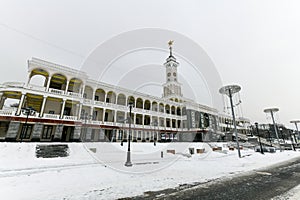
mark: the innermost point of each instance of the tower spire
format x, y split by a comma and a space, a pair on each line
170, 43
172, 88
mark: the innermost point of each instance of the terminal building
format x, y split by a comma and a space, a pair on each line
71, 107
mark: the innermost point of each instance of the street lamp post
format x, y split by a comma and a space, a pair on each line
271, 111
229, 90
261, 149
128, 161
154, 132
26, 111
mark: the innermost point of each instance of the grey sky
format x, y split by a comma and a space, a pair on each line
252, 43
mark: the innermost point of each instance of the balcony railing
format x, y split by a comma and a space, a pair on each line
96, 122
14, 84
36, 87
74, 94
51, 116
8, 112
109, 123
71, 118
56, 91
87, 101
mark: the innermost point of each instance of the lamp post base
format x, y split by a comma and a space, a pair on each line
128, 162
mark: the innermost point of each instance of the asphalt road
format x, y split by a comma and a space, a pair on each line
262, 184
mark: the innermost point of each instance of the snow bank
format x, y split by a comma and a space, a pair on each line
102, 175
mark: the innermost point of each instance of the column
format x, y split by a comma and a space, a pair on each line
67, 86
43, 106
103, 115
82, 89
115, 116
143, 118
79, 110
2, 101
105, 96
94, 93
20, 104
62, 108
92, 112
134, 118
48, 83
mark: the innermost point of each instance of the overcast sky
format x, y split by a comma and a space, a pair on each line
252, 43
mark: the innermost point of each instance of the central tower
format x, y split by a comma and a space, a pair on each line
172, 88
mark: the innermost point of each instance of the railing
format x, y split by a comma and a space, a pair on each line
109, 123
99, 103
120, 124
74, 94
36, 87
14, 84
87, 101
139, 126
96, 122
72, 118
36, 114
56, 91
8, 112
51, 116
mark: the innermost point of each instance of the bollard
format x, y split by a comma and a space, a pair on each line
161, 154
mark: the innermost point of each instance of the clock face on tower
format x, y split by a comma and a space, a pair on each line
174, 74
169, 74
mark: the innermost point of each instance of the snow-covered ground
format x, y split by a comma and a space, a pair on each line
101, 174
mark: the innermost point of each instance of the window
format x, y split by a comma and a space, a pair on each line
96, 98
26, 131
47, 132
120, 135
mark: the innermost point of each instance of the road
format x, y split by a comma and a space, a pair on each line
262, 184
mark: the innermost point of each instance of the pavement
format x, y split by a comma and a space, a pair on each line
264, 184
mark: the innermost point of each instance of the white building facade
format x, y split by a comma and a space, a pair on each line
69, 106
